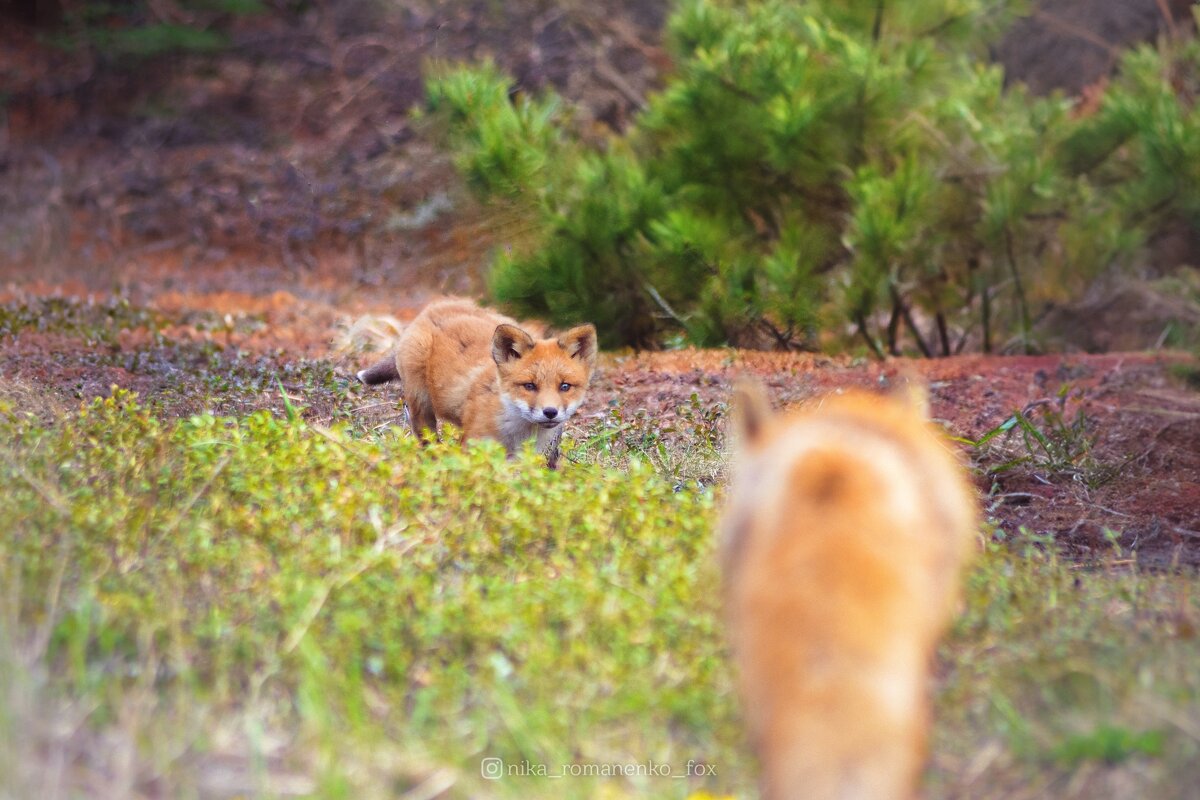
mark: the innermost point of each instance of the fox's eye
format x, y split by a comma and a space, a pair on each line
532, 387
564, 387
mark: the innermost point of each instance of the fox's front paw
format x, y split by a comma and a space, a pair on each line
549, 446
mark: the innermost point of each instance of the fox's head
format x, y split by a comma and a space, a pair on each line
544, 381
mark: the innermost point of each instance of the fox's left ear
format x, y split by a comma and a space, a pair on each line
751, 411
580, 343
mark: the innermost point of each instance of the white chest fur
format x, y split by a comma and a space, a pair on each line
515, 427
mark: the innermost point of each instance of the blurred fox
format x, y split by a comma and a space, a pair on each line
480, 370
845, 534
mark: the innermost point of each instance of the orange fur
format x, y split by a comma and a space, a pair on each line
846, 531
479, 370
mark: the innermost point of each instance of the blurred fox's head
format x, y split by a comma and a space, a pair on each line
543, 381
756, 425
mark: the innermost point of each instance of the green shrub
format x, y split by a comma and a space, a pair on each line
1143, 146
814, 169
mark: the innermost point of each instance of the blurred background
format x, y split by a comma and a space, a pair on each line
921, 178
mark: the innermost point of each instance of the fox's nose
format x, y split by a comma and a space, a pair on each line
550, 412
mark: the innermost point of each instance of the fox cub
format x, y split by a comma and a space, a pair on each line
847, 527
480, 370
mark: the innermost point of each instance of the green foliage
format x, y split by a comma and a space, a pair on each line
686, 447
513, 147
1066, 666
592, 271
1144, 143
594, 206
1110, 744
1189, 373
815, 166
135, 31
94, 322
157, 40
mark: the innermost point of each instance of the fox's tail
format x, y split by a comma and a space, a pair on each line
381, 371
366, 333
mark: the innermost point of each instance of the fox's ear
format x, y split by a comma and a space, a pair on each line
751, 410
580, 342
911, 390
510, 343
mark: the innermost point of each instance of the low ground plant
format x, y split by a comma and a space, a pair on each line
686, 447
1053, 437
265, 607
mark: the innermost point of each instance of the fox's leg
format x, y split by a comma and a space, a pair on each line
420, 416
547, 445
468, 431
412, 359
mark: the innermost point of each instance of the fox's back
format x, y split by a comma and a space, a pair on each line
444, 349
457, 331
844, 536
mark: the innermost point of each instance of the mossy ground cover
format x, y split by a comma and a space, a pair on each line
356, 591
283, 601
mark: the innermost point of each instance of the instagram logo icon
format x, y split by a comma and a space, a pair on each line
491, 768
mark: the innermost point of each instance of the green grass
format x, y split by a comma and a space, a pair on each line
262, 607
1072, 682
1188, 373
354, 593
179, 376
685, 447
1053, 437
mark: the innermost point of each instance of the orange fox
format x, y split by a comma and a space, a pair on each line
481, 371
845, 533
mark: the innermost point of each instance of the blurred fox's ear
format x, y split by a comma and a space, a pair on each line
912, 390
751, 410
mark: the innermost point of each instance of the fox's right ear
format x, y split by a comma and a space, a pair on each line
751, 410
510, 343
580, 343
